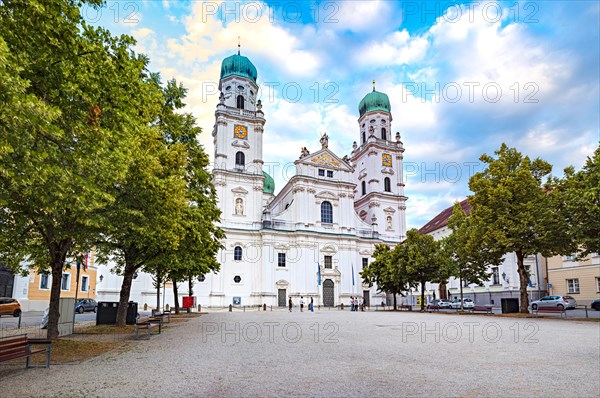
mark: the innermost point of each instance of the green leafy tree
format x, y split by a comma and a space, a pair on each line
70, 120
579, 195
163, 218
466, 257
421, 258
512, 212
386, 271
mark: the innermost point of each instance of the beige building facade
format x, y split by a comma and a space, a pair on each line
580, 279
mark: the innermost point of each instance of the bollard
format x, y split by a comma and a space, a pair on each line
342, 306
199, 308
265, 307
19, 327
230, 307
244, 308
586, 314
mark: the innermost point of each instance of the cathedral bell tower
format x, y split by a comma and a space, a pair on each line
380, 200
238, 140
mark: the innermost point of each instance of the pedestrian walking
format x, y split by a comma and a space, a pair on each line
290, 304
312, 305
356, 303
351, 303
301, 304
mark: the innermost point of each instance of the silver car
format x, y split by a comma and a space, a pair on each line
554, 301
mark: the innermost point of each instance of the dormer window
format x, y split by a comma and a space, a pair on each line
240, 88
329, 173
321, 173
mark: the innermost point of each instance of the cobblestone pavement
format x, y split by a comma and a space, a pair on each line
335, 354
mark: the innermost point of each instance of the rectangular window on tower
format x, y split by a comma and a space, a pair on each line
281, 259
328, 262
329, 173
365, 262
321, 173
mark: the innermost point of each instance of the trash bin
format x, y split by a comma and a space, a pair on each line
509, 305
107, 313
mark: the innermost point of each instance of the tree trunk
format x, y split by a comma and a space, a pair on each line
422, 296
461, 293
58, 254
124, 296
54, 305
523, 282
395, 302
175, 295
190, 286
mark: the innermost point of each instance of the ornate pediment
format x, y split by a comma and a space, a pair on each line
282, 284
326, 158
326, 195
241, 144
328, 249
239, 191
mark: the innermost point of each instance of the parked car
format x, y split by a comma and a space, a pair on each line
554, 301
9, 306
444, 303
84, 305
596, 304
467, 303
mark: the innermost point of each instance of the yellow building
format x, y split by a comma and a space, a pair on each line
33, 291
580, 279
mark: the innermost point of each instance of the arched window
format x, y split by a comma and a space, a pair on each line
237, 253
383, 134
240, 102
363, 185
240, 159
364, 137
326, 213
387, 187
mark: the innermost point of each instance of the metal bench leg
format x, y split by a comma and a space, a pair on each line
48, 357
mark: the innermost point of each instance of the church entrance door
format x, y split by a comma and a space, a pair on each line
328, 293
281, 297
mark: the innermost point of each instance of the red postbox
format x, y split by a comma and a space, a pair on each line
189, 302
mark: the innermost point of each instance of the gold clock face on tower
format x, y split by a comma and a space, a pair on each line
386, 160
240, 131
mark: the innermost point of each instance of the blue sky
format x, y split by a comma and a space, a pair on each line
462, 77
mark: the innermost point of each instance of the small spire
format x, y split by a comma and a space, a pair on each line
373, 84
239, 45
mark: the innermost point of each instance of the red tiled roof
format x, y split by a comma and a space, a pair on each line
441, 220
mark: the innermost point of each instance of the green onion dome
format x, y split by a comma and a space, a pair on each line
238, 65
374, 101
269, 184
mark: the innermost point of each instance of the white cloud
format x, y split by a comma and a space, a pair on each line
398, 48
208, 36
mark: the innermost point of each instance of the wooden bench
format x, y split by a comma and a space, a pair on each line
162, 315
405, 307
20, 346
562, 311
482, 308
433, 307
147, 323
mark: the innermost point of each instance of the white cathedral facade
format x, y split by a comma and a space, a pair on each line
313, 238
